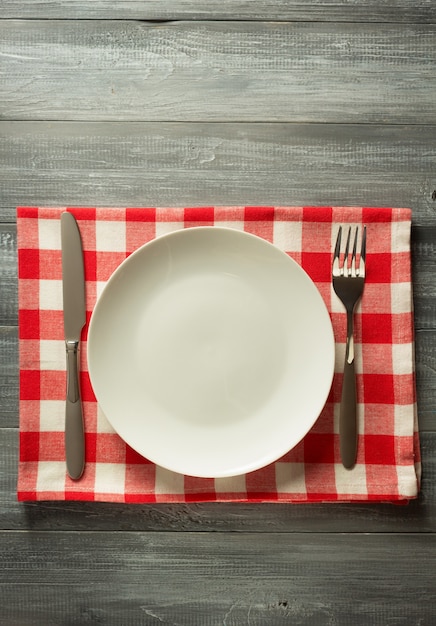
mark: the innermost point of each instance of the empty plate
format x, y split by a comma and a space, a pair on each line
211, 352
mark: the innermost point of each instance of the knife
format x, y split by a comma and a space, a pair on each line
73, 286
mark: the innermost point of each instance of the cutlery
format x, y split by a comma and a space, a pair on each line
73, 285
348, 281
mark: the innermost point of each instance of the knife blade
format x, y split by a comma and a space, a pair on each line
73, 288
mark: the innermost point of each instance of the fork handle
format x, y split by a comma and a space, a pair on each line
348, 414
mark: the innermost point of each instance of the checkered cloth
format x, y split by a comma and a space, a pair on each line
388, 464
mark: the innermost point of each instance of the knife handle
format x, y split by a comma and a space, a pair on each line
74, 431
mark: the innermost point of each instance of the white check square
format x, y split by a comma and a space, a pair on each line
350, 483
49, 233
400, 237
51, 476
401, 298
110, 236
110, 478
232, 484
290, 478
402, 358
168, 482
52, 416
288, 235
403, 425
163, 228
50, 295
407, 480
52, 354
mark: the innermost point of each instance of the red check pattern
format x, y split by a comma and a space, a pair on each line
388, 465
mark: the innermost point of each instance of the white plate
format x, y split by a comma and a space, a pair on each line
211, 352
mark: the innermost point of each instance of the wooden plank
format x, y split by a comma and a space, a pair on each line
407, 11
8, 376
8, 274
217, 578
176, 164
418, 516
426, 379
218, 71
424, 274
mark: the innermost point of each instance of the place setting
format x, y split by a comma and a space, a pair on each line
234, 354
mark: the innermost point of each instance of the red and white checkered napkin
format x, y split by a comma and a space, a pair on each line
388, 465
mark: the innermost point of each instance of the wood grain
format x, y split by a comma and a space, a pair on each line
8, 274
217, 71
397, 11
8, 376
217, 578
194, 164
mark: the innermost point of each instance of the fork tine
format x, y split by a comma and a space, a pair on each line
363, 254
337, 253
355, 241
347, 266
353, 255
363, 250
338, 244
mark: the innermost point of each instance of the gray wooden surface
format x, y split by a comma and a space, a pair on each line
189, 102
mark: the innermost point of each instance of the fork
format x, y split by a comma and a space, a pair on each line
348, 281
